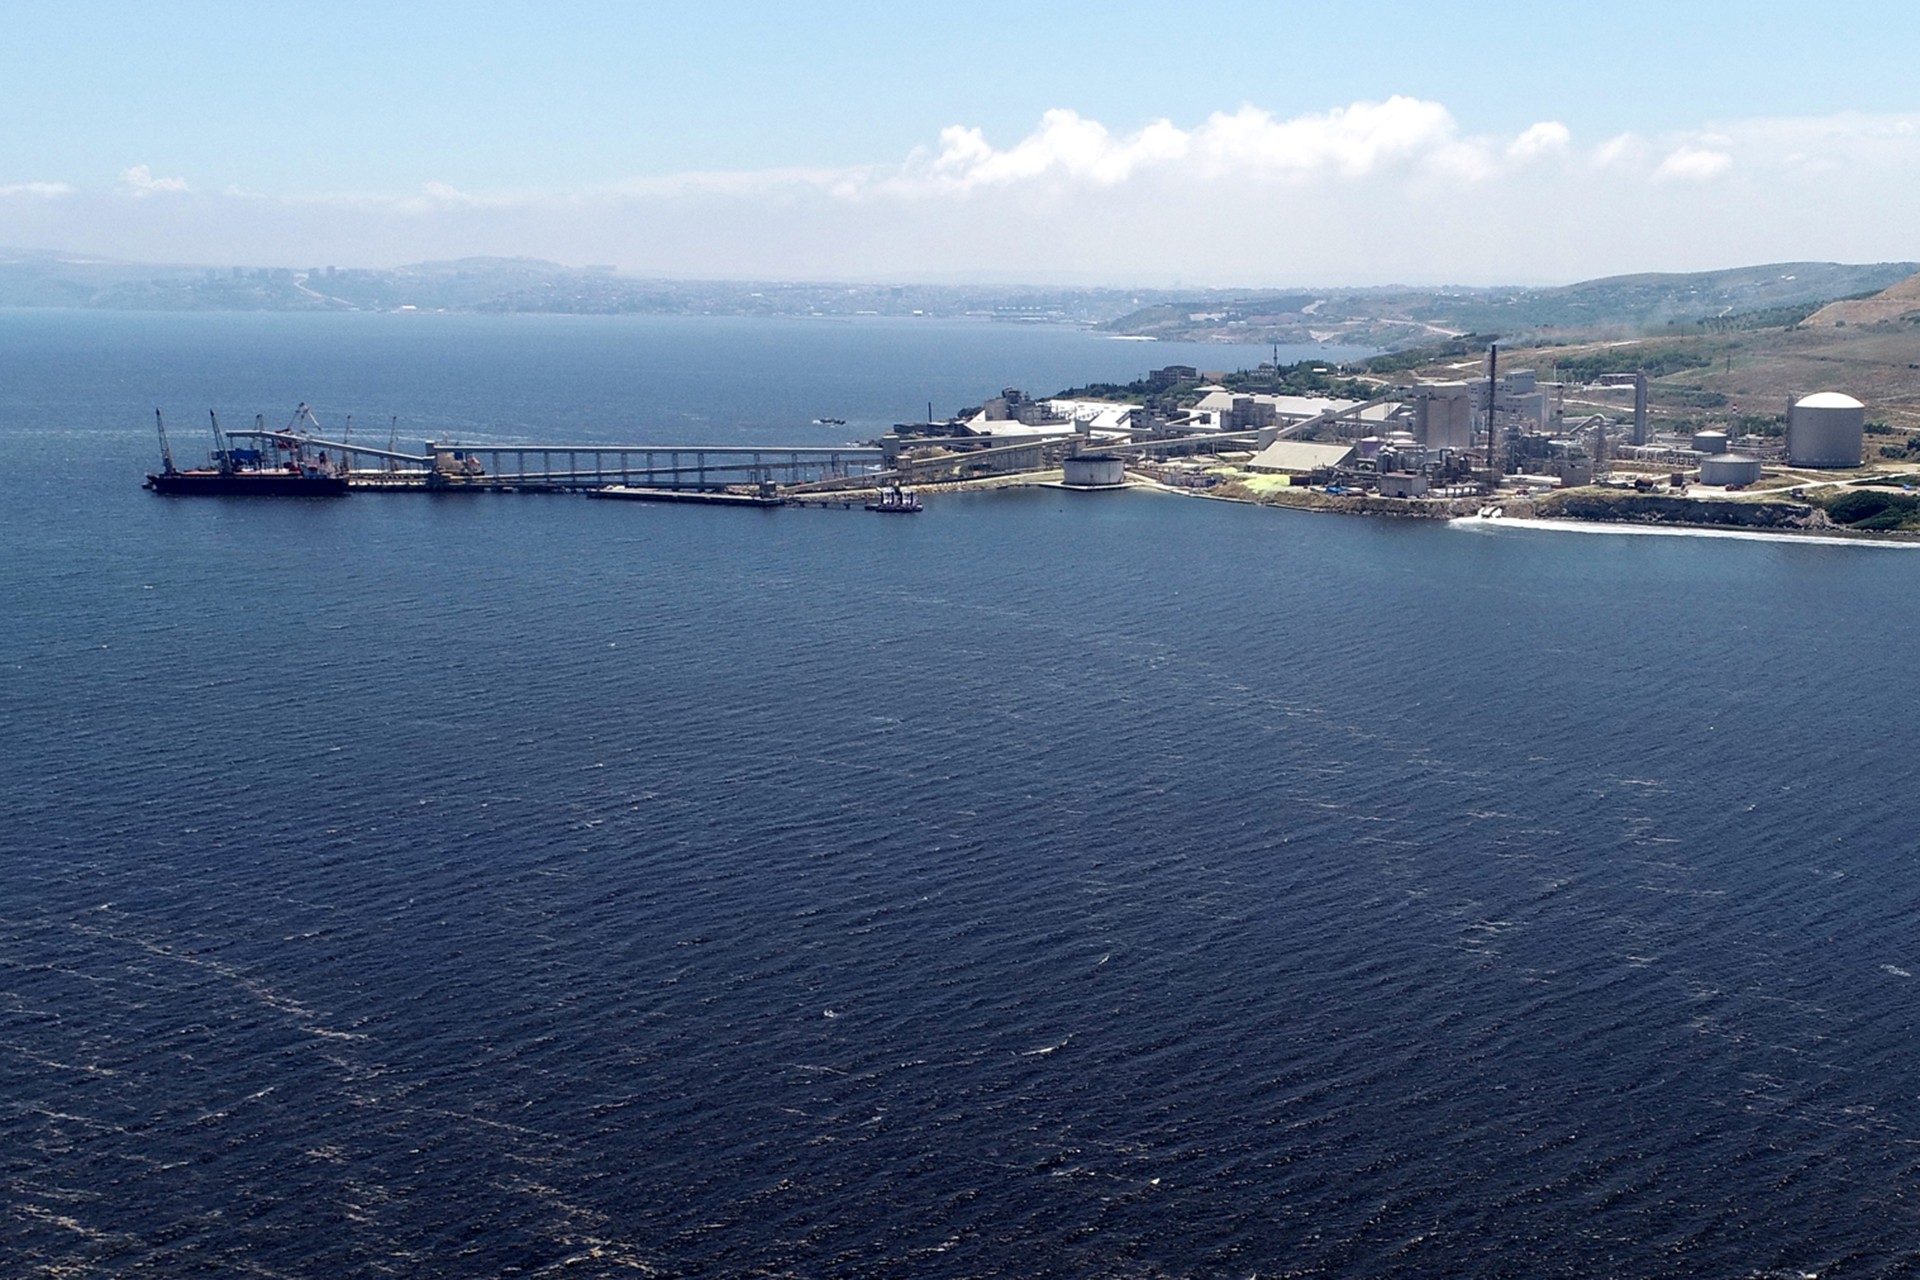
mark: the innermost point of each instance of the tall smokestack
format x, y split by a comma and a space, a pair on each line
1493, 368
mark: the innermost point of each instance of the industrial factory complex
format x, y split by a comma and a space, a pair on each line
1438, 446
1504, 443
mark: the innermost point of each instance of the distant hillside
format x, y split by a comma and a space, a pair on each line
1890, 305
1650, 300
40, 279
1775, 295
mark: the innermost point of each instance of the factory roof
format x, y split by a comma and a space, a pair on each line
1297, 457
1220, 400
1099, 415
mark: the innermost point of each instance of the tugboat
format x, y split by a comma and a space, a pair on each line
249, 472
896, 501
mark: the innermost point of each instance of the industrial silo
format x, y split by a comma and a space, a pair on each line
1826, 429
1709, 442
1729, 468
1443, 416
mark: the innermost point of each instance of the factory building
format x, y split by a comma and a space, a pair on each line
1826, 429
1014, 405
1246, 413
1518, 397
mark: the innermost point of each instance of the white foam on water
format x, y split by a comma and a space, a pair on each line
1479, 524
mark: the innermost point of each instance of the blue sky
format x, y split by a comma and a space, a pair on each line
1243, 143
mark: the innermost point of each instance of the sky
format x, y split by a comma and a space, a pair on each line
1241, 144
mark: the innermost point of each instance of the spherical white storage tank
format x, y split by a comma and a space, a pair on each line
1826, 429
1729, 468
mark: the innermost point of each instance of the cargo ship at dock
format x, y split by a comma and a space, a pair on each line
278, 469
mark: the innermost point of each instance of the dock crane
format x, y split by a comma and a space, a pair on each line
166, 450
220, 455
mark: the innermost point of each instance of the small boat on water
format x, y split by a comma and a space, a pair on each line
896, 501
283, 469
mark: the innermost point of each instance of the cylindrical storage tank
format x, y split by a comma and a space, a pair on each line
1095, 470
1826, 429
1729, 468
1710, 442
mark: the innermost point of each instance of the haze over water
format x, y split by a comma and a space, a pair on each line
1048, 885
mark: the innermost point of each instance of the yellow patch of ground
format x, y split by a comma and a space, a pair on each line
1257, 482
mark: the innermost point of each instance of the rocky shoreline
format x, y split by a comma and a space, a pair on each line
1580, 506
1574, 506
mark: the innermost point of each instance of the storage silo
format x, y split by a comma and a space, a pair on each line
1443, 416
1729, 468
1826, 429
1710, 442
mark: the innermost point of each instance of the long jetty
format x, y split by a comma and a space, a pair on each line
583, 467
741, 474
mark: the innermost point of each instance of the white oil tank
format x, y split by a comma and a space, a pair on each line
1826, 429
1729, 468
1095, 471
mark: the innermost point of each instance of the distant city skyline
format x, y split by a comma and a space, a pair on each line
1236, 144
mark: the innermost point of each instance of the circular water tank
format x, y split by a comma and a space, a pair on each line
1710, 442
1729, 468
1826, 429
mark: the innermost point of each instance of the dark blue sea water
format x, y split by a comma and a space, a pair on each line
1049, 885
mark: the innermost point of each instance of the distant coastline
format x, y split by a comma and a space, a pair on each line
1376, 318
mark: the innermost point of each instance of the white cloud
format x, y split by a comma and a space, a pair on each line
441, 193
1549, 137
1693, 164
1618, 150
1349, 142
1066, 145
140, 180
38, 190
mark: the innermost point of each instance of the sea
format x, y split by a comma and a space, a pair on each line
1049, 885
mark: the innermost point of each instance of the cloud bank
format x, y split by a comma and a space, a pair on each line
1370, 192
140, 182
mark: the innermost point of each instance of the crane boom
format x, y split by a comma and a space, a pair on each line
166, 450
